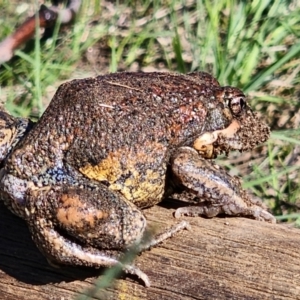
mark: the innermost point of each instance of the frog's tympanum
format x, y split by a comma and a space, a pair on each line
106, 147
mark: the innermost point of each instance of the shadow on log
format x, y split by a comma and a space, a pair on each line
220, 258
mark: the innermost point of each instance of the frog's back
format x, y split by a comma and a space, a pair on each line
110, 112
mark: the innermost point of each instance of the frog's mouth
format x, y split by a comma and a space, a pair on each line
244, 133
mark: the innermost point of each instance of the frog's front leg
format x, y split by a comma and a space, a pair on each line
218, 192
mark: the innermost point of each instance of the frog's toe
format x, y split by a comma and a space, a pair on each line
130, 269
263, 215
198, 210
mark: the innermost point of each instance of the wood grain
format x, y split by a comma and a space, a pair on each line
220, 258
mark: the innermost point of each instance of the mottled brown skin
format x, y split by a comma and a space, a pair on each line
108, 146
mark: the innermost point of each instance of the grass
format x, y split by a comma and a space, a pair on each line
253, 45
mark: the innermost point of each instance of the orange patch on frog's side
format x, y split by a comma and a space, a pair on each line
122, 170
204, 142
75, 213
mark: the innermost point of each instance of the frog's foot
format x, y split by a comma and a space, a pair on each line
218, 192
211, 211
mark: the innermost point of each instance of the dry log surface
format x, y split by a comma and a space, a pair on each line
220, 258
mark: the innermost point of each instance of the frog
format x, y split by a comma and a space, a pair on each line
109, 146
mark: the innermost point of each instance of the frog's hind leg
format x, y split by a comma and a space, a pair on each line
84, 226
213, 187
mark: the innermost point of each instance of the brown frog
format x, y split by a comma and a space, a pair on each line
108, 146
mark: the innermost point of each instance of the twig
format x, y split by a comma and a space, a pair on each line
47, 19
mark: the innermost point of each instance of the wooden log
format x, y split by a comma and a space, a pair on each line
220, 258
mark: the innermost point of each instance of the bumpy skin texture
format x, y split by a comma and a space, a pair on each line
108, 146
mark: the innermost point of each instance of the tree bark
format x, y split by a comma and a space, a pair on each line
220, 258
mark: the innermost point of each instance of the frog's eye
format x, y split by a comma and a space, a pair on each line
236, 104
